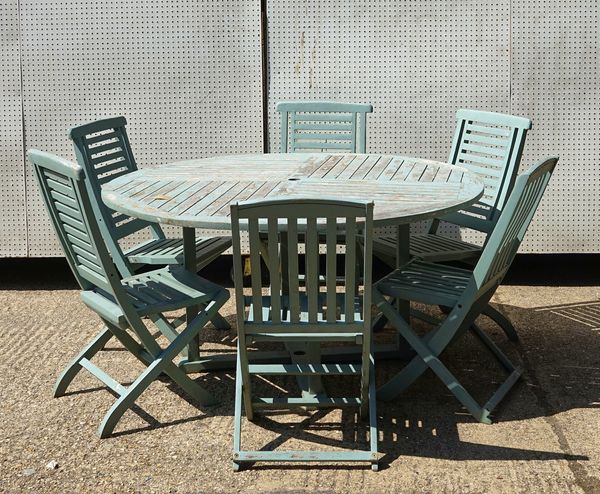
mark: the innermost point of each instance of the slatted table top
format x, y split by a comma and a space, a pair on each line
197, 193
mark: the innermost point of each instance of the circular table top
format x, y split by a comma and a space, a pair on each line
197, 193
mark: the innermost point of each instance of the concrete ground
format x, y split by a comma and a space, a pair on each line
545, 436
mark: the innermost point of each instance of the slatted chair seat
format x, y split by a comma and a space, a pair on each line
121, 303
466, 293
426, 282
163, 251
157, 291
430, 246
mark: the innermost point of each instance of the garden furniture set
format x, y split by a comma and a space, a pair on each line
310, 214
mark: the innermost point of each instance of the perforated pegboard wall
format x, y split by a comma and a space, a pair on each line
556, 81
186, 74
13, 230
416, 62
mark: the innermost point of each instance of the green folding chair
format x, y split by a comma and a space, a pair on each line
303, 316
102, 149
489, 145
466, 292
121, 304
323, 126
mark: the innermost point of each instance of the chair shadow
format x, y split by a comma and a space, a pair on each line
424, 421
408, 434
400, 434
557, 350
558, 376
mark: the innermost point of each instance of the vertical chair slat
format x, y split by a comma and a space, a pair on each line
255, 271
274, 267
353, 132
362, 134
331, 268
312, 269
293, 272
350, 269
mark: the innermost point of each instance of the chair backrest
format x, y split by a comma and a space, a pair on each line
489, 145
518, 212
321, 126
102, 149
62, 186
276, 228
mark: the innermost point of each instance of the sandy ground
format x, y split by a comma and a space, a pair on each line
545, 436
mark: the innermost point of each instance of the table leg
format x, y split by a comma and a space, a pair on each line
189, 263
402, 257
301, 353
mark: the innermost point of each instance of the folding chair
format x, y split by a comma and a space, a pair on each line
466, 292
320, 126
489, 145
102, 149
303, 317
120, 303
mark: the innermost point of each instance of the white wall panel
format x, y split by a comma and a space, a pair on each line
13, 229
186, 74
556, 82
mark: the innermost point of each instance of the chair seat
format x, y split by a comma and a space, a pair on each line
170, 251
154, 292
426, 282
429, 247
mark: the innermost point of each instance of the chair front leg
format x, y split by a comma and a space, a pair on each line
428, 350
67, 376
502, 321
127, 399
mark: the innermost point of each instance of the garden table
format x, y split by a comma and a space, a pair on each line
197, 194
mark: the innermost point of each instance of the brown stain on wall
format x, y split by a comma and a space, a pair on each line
298, 65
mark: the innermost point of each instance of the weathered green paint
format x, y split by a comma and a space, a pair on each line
403, 189
489, 145
120, 303
103, 150
323, 126
466, 292
301, 315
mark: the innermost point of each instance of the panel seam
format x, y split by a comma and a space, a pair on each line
24, 151
510, 58
264, 56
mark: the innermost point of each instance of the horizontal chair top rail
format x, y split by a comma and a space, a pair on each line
289, 208
323, 106
56, 163
495, 118
97, 126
